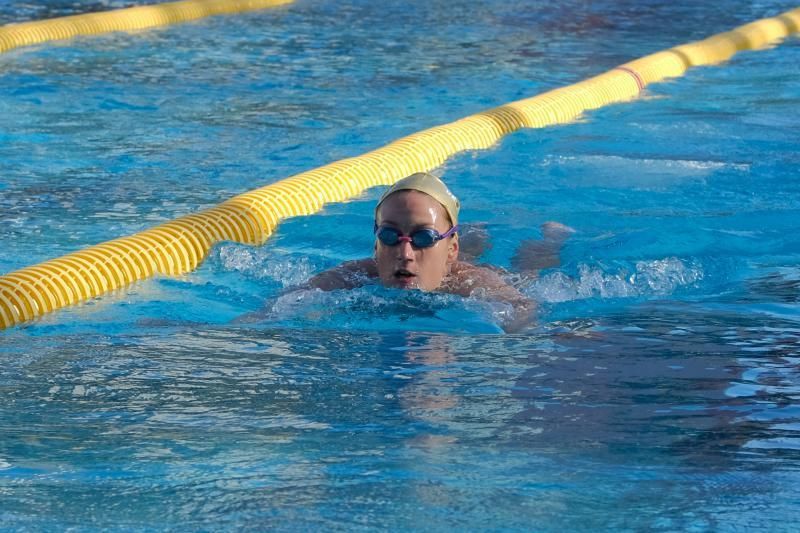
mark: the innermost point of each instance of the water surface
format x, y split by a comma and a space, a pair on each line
658, 389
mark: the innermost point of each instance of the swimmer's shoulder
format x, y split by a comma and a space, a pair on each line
465, 278
487, 282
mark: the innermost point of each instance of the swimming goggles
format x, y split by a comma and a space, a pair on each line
421, 238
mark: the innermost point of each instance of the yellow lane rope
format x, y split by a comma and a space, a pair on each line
179, 246
128, 19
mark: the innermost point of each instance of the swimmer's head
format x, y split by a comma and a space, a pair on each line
419, 242
430, 185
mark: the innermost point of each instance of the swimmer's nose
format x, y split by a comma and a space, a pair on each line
405, 251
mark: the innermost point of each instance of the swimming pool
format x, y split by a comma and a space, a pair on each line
658, 392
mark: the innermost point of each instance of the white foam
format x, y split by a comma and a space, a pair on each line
679, 165
262, 264
614, 171
374, 306
649, 278
373, 299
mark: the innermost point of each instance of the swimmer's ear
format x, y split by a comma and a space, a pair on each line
452, 249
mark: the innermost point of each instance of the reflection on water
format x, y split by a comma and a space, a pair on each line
658, 392
323, 428
780, 286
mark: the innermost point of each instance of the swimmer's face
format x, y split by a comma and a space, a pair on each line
404, 266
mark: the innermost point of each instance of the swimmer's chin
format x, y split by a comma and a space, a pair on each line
404, 284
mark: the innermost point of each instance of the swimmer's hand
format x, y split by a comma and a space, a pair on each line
473, 241
533, 255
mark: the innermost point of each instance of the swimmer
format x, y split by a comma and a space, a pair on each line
417, 247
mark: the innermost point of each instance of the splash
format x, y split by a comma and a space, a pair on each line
377, 308
375, 300
264, 264
648, 278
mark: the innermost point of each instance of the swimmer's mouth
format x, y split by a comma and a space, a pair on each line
404, 274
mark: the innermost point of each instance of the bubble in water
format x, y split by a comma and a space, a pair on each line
372, 299
663, 276
375, 307
265, 264
649, 278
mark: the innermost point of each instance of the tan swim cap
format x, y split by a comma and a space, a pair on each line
430, 185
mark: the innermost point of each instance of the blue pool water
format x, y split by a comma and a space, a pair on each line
659, 390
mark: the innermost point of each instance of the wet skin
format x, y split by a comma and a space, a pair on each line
403, 265
428, 269
437, 268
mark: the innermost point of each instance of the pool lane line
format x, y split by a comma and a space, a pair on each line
639, 81
179, 246
126, 19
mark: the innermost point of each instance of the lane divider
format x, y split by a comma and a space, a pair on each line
127, 19
178, 246
639, 81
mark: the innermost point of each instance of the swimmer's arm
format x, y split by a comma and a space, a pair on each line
348, 275
522, 307
485, 283
533, 255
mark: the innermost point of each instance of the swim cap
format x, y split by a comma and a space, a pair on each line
430, 185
